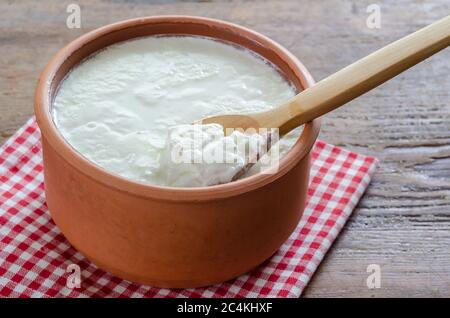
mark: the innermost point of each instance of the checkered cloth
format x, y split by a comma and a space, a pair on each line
35, 256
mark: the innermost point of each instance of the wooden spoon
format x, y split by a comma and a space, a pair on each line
347, 84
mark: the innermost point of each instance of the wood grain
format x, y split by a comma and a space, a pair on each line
403, 221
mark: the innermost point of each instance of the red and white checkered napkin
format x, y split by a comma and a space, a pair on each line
34, 255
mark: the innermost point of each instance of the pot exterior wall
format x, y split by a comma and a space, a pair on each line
166, 243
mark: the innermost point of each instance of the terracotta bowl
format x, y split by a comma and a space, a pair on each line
163, 236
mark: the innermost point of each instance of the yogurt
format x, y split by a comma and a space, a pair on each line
119, 107
202, 155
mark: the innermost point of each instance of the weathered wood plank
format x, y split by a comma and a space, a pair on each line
403, 221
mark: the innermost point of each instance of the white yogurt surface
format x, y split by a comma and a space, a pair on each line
116, 108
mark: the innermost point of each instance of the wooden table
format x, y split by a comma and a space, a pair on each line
403, 221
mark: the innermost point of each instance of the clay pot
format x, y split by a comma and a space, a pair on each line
163, 236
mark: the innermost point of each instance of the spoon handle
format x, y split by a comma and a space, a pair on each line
359, 77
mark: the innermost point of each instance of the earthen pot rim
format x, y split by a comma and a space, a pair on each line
43, 100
